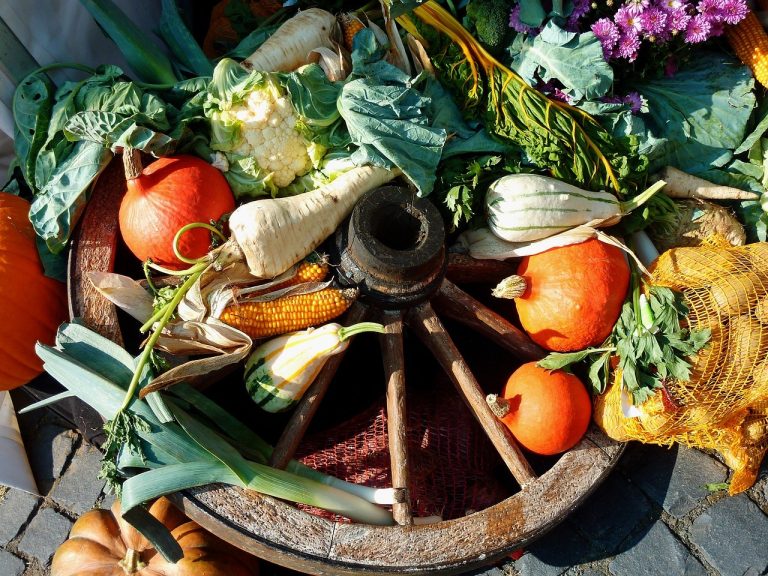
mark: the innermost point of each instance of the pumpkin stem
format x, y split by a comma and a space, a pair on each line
511, 287
499, 405
132, 562
132, 163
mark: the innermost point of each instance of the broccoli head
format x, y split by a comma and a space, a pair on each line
491, 21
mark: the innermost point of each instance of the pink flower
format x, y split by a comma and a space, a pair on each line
608, 34
698, 29
636, 102
733, 11
628, 45
627, 20
654, 21
677, 19
636, 6
710, 9
671, 5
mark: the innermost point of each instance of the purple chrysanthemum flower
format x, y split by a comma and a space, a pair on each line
710, 9
677, 19
635, 101
580, 8
671, 5
628, 45
627, 20
698, 29
636, 6
516, 24
716, 29
654, 21
733, 11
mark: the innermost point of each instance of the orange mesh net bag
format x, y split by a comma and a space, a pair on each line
724, 405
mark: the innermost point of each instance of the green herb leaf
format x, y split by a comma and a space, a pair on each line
559, 360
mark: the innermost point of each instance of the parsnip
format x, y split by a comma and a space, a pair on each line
273, 234
290, 46
683, 185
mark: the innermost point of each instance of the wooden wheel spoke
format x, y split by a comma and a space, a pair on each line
430, 330
456, 304
397, 433
463, 269
307, 407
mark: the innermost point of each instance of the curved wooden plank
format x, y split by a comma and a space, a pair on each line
463, 269
94, 245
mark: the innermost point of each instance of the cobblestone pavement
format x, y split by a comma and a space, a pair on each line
653, 516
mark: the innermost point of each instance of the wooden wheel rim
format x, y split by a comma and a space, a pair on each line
280, 533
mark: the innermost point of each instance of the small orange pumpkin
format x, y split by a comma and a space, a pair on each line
101, 543
32, 305
569, 298
547, 411
163, 198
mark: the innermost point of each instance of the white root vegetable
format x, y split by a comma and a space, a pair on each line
683, 185
290, 46
271, 235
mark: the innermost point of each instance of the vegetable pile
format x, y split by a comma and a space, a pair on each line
565, 137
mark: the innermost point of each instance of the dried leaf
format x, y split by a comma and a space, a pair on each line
123, 292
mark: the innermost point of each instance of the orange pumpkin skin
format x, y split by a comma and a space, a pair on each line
574, 294
32, 305
169, 194
549, 410
101, 543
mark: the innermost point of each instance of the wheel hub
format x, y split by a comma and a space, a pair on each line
392, 248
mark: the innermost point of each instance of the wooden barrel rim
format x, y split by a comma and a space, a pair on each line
280, 533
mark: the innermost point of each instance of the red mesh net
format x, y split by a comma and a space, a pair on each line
452, 463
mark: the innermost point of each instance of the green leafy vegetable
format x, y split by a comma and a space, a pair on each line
576, 60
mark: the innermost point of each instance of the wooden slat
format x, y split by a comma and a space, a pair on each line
463, 269
397, 432
93, 249
307, 407
452, 302
424, 321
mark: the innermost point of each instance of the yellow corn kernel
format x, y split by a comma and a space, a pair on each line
350, 25
290, 313
749, 41
311, 270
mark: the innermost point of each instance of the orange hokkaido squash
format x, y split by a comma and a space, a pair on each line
101, 543
547, 411
32, 305
569, 298
163, 198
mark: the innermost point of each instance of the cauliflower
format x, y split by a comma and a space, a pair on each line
254, 123
269, 135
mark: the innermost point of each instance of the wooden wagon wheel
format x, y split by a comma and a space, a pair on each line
393, 249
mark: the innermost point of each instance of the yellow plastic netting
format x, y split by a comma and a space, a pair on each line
724, 406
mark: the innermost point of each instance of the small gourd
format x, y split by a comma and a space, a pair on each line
279, 372
528, 207
101, 543
163, 198
32, 305
569, 298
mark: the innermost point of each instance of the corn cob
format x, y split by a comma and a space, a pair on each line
311, 270
290, 313
350, 25
749, 41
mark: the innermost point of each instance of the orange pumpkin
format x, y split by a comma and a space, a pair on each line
547, 411
101, 543
569, 298
32, 305
166, 196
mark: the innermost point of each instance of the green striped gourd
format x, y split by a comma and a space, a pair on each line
528, 207
279, 372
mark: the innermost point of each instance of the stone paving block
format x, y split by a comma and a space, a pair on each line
49, 450
79, 487
10, 565
732, 536
658, 552
554, 553
613, 511
15, 510
44, 534
675, 478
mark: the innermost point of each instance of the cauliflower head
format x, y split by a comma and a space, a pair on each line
254, 124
